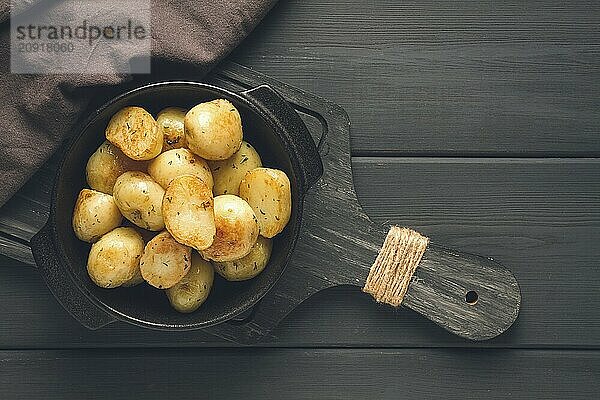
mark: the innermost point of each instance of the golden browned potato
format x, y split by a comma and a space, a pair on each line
213, 130
187, 209
137, 277
268, 192
173, 163
95, 214
193, 289
165, 261
135, 280
170, 121
237, 229
139, 198
135, 132
249, 266
115, 259
228, 174
106, 165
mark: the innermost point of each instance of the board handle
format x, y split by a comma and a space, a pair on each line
61, 283
469, 295
291, 129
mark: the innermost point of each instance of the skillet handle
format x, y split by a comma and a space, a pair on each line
62, 285
292, 129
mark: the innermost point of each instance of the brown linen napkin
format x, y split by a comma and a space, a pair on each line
37, 112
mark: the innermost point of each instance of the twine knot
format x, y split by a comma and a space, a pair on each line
395, 265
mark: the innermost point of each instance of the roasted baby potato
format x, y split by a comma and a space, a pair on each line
187, 209
106, 165
228, 174
95, 214
170, 122
237, 229
165, 261
213, 130
193, 289
135, 132
173, 163
135, 280
268, 192
139, 198
115, 259
249, 266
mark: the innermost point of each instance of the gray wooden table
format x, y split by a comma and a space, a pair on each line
475, 122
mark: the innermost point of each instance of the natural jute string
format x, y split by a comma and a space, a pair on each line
395, 265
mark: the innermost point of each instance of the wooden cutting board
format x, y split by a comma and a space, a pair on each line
337, 244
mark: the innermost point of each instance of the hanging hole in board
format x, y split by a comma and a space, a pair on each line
471, 297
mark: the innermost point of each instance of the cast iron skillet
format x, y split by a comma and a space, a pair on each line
270, 124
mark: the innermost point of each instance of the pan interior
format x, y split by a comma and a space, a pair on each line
144, 304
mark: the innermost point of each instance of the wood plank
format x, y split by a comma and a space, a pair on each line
540, 218
14, 252
27, 211
7, 261
436, 77
300, 374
